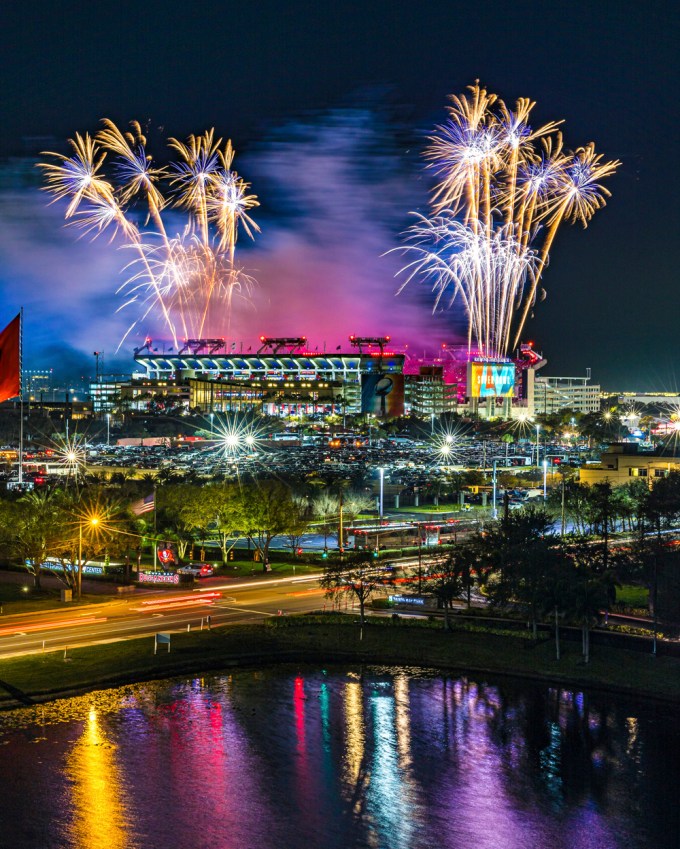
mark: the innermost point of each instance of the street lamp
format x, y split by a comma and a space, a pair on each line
494, 480
431, 423
231, 441
382, 486
538, 428
212, 416
108, 429
445, 451
92, 522
545, 479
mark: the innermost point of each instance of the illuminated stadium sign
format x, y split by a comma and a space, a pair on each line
382, 394
491, 380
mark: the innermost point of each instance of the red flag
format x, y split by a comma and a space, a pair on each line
10, 383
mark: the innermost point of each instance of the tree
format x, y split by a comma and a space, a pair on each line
517, 550
359, 576
660, 509
604, 504
89, 520
559, 582
180, 507
456, 575
354, 504
326, 508
453, 577
592, 588
298, 522
226, 507
35, 525
265, 508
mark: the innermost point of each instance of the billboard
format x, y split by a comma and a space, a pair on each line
382, 395
491, 380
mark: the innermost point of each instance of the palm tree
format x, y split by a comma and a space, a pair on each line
35, 529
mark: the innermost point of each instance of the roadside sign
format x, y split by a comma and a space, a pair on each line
161, 638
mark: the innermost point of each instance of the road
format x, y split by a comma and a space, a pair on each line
149, 613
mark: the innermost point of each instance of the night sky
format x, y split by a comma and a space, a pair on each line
328, 104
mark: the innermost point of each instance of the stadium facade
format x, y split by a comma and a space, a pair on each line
283, 378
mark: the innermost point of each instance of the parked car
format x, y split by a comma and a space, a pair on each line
197, 570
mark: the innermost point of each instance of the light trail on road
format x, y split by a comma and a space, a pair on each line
46, 626
248, 602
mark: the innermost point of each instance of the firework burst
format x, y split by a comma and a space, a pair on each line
504, 190
188, 278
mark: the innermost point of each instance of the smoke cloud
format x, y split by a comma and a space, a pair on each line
335, 192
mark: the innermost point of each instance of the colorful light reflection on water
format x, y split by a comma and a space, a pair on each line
296, 757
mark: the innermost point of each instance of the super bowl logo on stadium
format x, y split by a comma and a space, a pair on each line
491, 379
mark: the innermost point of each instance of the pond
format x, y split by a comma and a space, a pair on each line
297, 758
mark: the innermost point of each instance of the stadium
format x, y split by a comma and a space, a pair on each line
282, 377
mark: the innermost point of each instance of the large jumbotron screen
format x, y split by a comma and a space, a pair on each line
487, 380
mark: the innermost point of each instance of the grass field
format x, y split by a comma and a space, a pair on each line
335, 639
632, 595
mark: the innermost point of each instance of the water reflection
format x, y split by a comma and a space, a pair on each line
300, 758
389, 797
99, 818
355, 739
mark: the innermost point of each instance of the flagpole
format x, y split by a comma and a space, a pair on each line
155, 541
21, 397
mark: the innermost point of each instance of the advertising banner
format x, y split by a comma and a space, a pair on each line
491, 380
382, 395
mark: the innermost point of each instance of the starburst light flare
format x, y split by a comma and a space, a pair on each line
71, 453
188, 278
504, 190
235, 437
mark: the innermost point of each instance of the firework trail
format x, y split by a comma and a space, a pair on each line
504, 190
190, 277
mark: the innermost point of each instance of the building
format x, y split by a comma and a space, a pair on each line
156, 395
267, 397
552, 394
283, 378
369, 380
105, 393
428, 394
657, 400
37, 383
626, 461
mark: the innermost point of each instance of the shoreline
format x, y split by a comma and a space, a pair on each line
36, 679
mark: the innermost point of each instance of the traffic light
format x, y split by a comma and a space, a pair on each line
231, 555
325, 555
375, 553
